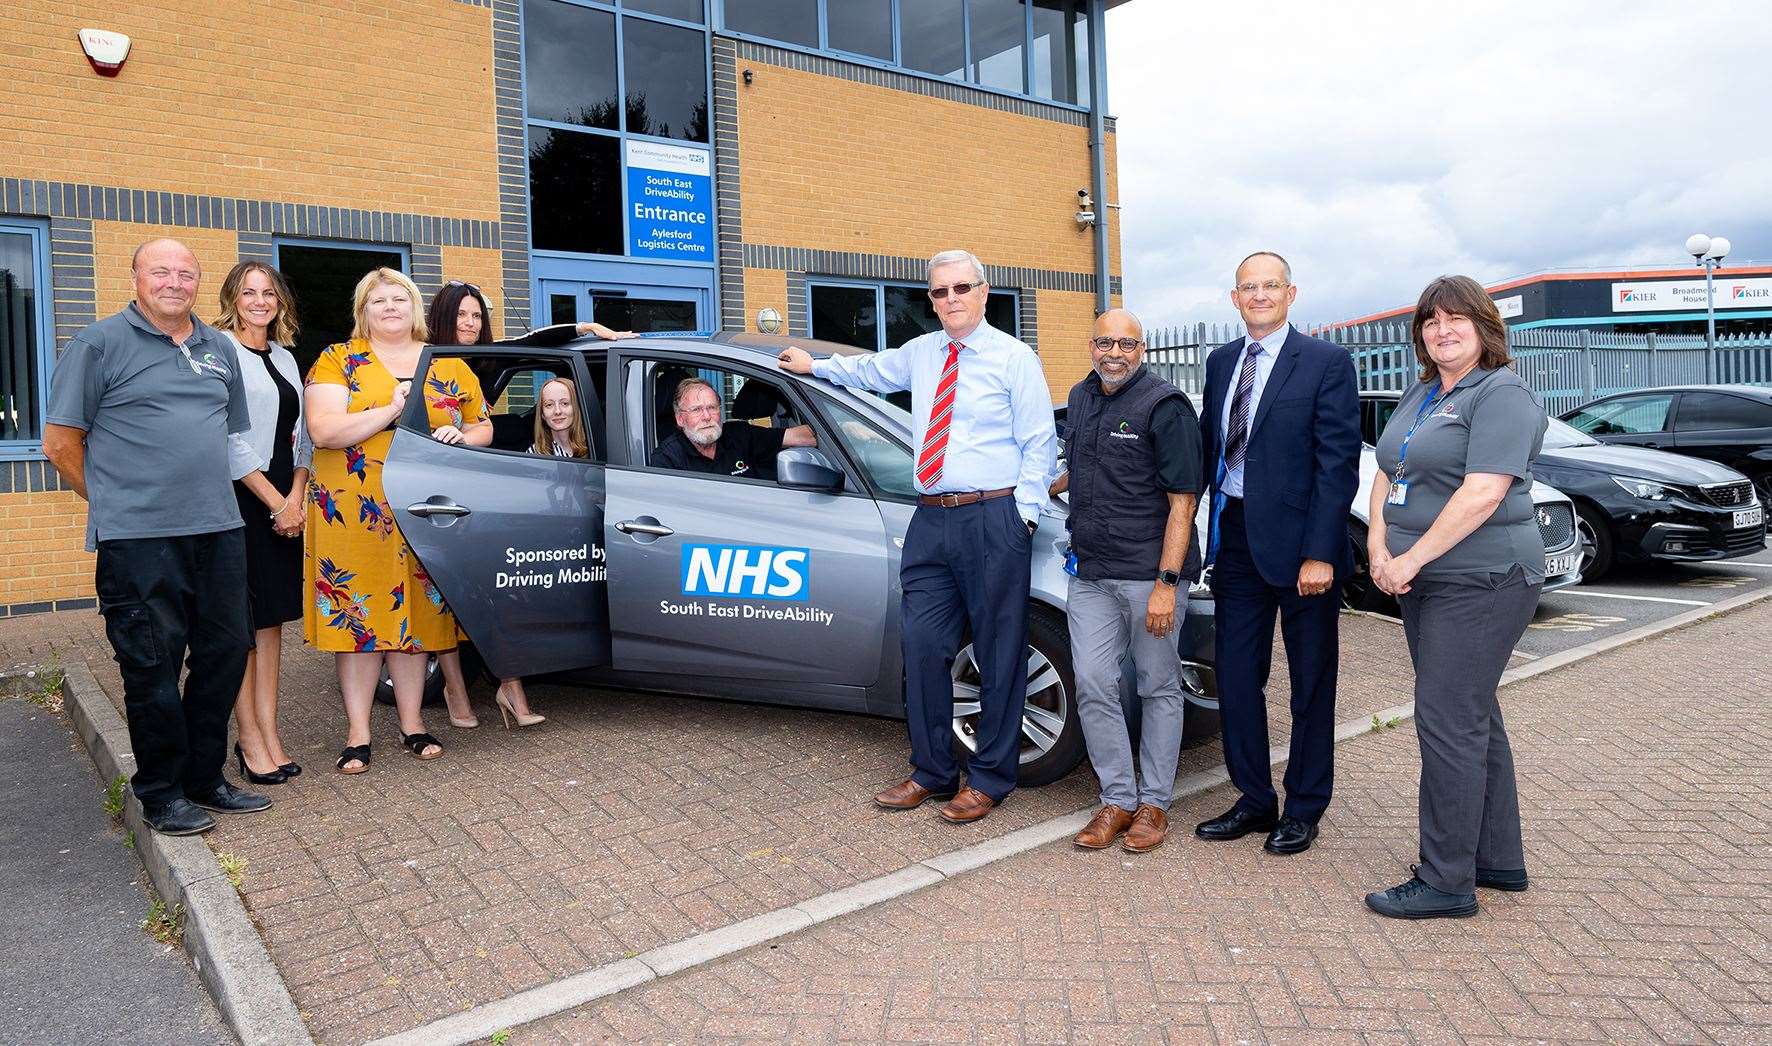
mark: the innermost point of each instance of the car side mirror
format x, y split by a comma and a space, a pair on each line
804, 468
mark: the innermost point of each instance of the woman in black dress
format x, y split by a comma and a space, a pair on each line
270, 465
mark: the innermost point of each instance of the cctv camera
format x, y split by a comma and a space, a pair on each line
1083, 196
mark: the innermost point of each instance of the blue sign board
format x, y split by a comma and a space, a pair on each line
670, 202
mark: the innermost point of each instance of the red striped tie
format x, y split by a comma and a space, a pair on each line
935, 437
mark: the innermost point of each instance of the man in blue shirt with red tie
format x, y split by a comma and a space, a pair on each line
986, 445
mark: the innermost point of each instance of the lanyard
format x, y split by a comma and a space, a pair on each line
1403, 451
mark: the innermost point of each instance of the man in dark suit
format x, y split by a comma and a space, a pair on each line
1281, 435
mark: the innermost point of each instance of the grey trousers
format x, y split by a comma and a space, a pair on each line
1460, 637
1107, 617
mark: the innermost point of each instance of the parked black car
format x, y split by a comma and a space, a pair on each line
1634, 503
1730, 424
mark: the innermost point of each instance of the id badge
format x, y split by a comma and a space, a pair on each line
1399, 493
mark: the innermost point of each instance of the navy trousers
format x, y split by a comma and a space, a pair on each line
966, 566
1244, 648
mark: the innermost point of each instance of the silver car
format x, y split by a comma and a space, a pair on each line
778, 585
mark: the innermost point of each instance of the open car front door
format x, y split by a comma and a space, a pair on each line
512, 539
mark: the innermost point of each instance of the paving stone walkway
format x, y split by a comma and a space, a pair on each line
627, 821
1646, 783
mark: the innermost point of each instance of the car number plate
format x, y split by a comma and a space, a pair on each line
1748, 517
1557, 566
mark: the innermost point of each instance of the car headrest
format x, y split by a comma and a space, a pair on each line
756, 399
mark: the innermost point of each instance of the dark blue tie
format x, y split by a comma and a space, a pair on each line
1236, 438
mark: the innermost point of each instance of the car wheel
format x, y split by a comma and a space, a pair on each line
384, 685
1358, 592
1051, 732
1596, 542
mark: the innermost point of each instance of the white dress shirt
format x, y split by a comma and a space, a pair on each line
1264, 366
1001, 434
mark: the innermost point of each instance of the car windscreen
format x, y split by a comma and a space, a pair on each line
1562, 434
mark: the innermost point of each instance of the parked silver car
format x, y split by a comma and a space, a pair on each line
777, 586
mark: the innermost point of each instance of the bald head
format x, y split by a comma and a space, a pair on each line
166, 275
1117, 348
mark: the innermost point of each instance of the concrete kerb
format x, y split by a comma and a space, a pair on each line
225, 947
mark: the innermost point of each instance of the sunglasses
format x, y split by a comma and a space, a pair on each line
962, 289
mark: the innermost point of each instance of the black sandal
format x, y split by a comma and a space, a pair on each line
417, 743
359, 753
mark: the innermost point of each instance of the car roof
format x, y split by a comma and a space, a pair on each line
1755, 391
737, 345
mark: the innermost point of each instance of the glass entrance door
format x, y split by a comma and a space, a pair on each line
640, 309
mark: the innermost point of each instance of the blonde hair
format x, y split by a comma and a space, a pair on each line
576, 444
375, 278
283, 325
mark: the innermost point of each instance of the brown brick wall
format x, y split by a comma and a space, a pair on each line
377, 106
42, 548
112, 243
765, 289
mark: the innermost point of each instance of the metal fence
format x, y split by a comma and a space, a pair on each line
1565, 367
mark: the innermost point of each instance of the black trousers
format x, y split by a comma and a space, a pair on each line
166, 601
1244, 649
966, 565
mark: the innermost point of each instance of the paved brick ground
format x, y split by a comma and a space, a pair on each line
418, 889
1645, 777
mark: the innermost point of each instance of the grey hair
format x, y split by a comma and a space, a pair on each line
684, 387
954, 258
1285, 266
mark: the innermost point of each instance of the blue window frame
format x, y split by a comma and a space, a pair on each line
27, 331
600, 77
1025, 48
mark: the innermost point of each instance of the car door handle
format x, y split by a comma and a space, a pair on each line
634, 526
425, 509
1651, 443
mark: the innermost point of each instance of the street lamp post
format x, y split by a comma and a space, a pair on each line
1708, 252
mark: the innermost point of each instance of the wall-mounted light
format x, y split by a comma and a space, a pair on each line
107, 51
749, 76
768, 321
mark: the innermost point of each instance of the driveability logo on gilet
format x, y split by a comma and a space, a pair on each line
747, 572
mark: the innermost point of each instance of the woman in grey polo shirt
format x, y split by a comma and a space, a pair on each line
1454, 538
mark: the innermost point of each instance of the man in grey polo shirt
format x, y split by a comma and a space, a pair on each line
1135, 476
141, 408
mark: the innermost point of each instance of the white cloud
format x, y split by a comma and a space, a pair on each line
1380, 143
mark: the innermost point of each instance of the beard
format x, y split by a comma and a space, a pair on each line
704, 435
1109, 383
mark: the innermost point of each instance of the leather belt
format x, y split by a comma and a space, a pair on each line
968, 497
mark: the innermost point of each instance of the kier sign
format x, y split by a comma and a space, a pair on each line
105, 50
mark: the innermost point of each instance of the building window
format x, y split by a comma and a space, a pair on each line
24, 335
1026, 47
886, 315
599, 77
322, 276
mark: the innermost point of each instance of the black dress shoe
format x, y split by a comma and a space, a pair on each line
1234, 823
1495, 879
224, 798
1417, 900
178, 817
1290, 836
291, 769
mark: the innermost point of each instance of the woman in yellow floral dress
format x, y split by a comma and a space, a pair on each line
369, 597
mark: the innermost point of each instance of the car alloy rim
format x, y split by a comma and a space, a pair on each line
1589, 541
1042, 719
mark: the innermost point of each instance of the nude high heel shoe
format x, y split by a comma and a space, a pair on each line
507, 713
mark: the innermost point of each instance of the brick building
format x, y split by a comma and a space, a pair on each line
654, 164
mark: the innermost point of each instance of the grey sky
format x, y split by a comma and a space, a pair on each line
1379, 143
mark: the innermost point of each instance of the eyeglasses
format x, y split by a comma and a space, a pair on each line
707, 408
1271, 286
962, 289
1127, 345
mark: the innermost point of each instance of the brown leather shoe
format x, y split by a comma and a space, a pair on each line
907, 795
970, 805
1108, 824
1150, 826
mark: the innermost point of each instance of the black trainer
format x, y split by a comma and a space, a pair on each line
178, 817
1496, 879
224, 798
1415, 899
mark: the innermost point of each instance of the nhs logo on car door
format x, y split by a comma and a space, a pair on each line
747, 572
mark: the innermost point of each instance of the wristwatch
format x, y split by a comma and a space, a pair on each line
1169, 577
